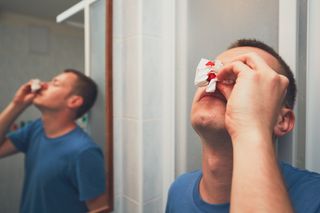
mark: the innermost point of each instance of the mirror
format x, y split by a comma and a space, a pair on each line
33, 45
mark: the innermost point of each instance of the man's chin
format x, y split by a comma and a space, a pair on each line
36, 103
205, 127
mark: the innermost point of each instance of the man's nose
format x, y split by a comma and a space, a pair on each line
44, 85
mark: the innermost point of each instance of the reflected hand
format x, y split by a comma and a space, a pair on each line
24, 96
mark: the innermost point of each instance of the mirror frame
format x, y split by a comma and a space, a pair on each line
109, 108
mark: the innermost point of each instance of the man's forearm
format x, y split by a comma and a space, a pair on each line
257, 184
7, 117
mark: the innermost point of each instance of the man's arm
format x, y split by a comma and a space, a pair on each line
98, 204
20, 102
253, 106
7, 148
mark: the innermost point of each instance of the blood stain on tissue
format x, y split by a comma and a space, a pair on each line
211, 76
210, 63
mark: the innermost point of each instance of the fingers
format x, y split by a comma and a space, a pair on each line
228, 75
231, 71
24, 93
252, 60
247, 68
284, 83
25, 88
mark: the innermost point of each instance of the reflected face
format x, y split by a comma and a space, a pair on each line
208, 109
56, 92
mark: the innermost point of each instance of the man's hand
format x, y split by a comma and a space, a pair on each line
253, 105
256, 97
24, 96
22, 99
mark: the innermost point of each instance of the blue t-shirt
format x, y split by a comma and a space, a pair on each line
303, 188
60, 173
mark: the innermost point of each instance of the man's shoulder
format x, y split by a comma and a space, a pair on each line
303, 187
293, 175
185, 180
82, 138
33, 125
78, 143
186, 177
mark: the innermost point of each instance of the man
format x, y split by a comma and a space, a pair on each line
64, 170
238, 125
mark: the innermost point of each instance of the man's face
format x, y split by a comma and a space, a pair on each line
56, 92
208, 109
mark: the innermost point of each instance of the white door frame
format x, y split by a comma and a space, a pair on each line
83, 5
313, 87
288, 23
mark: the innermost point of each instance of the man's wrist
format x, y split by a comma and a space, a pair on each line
17, 106
252, 134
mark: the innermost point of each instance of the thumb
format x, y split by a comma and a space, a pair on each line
29, 98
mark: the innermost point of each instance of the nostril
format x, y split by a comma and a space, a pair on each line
44, 85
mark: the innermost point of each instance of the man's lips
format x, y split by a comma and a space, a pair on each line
215, 94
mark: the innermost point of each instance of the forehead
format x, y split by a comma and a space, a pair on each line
66, 76
228, 55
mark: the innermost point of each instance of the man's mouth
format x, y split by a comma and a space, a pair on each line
215, 94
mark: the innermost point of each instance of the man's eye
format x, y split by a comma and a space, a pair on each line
55, 83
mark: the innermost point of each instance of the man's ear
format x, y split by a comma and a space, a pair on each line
285, 122
75, 101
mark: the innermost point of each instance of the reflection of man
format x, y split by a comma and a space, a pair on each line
64, 170
238, 125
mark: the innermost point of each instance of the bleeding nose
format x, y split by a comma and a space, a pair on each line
44, 85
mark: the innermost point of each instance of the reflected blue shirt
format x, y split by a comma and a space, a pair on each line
60, 173
303, 188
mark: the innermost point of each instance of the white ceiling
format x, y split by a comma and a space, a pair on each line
45, 9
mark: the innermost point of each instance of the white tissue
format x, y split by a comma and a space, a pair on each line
202, 73
35, 85
212, 85
203, 69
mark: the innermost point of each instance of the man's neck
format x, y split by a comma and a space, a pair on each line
217, 159
57, 125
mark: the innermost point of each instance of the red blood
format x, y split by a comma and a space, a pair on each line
44, 85
210, 63
211, 75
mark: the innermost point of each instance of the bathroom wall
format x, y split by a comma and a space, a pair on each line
142, 85
30, 48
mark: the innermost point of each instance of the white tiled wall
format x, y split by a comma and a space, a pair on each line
138, 90
152, 163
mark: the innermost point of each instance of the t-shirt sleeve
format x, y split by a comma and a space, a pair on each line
90, 174
21, 137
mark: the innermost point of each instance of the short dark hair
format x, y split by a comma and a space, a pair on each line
86, 88
284, 68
